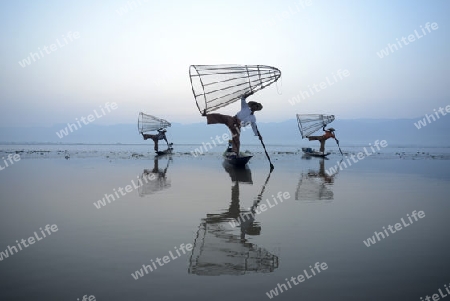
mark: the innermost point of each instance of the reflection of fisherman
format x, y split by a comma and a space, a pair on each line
315, 185
328, 134
244, 218
154, 180
322, 174
160, 172
217, 251
243, 118
160, 136
247, 223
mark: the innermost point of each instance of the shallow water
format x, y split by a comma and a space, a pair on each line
189, 200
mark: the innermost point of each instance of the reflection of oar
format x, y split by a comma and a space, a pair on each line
259, 197
246, 221
337, 141
267, 155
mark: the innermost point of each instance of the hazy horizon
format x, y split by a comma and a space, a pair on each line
349, 131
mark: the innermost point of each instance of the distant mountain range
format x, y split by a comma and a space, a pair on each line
397, 132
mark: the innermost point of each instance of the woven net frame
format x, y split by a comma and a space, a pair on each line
148, 123
216, 86
310, 123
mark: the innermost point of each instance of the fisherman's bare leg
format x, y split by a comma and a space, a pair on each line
322, 145
155, 140
147, 136
235, 138
233, 125
215, 118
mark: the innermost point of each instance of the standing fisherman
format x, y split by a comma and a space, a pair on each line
243, 118
160, 136
328, 134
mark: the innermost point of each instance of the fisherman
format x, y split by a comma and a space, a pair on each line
328, 134
242, 119
160, 136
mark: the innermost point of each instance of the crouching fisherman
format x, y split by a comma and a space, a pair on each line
161, 135
327, 135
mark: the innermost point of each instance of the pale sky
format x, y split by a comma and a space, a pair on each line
140, 58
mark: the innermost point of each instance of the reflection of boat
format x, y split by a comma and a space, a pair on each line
153, 180
240, 161
311, 152
231, 158
243, 175
219, 250
166, 151
315, 185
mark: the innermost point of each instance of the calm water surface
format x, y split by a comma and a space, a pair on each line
184, 200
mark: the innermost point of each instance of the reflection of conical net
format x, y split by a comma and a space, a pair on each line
218, 252
215, 86
148, 123
312, 188
310, 123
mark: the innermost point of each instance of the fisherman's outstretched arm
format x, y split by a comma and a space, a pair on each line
255, 129
243, 102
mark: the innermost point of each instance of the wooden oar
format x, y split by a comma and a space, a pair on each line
267, 155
